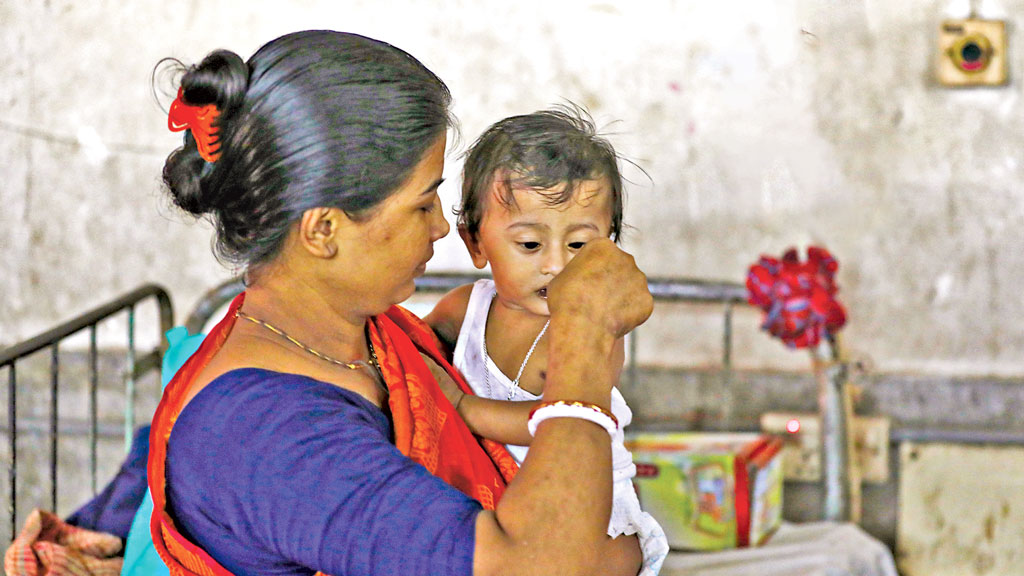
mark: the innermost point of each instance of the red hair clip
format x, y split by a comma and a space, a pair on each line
198, 119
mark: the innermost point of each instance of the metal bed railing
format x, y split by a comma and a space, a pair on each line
829, 368
663, 289
136, 366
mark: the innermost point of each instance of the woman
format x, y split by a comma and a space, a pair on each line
309, 432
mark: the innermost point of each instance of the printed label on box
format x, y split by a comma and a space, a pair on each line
709, 491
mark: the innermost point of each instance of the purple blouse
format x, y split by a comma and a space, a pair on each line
275, 473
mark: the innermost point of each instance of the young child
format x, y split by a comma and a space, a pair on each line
536, 188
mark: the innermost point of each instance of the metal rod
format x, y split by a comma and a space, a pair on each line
445, 281
832, 403
686, 290
129, 407
166, 323
966, 435
12, 419
663, 289
91, 317
93, 408
727, 337
210, 302
54, 385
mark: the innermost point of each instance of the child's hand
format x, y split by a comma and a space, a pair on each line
602, 285
448, 386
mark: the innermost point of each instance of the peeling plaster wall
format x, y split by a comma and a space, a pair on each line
761, 125
973, 526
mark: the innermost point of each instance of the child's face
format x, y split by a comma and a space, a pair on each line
528, 244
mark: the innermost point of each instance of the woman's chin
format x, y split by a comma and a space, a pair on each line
404, 293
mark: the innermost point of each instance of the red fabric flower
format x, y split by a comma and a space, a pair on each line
798, 298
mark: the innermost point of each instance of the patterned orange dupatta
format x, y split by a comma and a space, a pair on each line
427, 429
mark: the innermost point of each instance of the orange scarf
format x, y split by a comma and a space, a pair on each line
427, 429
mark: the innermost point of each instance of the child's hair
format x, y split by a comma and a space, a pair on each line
314, 118
552, 149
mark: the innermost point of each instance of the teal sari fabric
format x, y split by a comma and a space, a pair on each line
140, 557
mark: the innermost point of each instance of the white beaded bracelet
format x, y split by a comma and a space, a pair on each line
572, 409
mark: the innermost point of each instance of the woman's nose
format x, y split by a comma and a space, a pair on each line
440, 226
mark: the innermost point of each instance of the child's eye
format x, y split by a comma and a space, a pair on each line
577, 245
530, 246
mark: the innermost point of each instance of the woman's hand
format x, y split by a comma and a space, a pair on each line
602, 285
596, 299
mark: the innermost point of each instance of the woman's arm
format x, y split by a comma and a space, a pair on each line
497, 420
553, 516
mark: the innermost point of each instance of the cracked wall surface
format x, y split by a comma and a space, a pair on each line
760, 125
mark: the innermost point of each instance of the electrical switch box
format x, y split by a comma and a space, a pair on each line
972, 52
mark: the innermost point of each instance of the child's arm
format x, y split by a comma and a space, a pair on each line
447, 316
500, 421
504, 421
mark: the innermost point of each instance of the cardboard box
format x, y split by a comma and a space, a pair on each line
710, 491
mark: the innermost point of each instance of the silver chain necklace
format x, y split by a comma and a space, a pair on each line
487, 369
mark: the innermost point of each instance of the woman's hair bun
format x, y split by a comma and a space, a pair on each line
221, 78
316, 118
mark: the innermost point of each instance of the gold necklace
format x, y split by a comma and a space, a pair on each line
358, 364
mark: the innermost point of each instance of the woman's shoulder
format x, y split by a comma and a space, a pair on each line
246, 399
255, 421
267, 462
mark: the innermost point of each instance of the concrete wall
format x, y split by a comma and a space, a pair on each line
761, 124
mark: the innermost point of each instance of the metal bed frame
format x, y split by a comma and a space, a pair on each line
136, 366
830, 370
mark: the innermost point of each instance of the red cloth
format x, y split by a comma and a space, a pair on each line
798, 298
427, 428
49, 546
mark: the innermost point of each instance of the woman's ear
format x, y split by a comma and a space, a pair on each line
318, 231
476, 251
